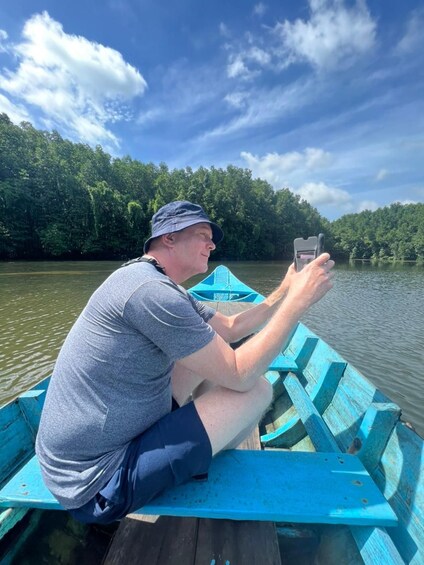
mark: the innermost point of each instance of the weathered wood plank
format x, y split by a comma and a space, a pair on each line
166, 541
375, 431
400, 477
31, 404
9, 517
15, 439
230, 308
311, 418
376, 546
251, 442
226, 541
323, 376
352, 399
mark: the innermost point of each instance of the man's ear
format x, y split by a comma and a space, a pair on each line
168, 239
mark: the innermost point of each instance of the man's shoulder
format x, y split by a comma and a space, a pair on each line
143, 282
137, 274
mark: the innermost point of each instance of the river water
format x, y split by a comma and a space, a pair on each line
374, 317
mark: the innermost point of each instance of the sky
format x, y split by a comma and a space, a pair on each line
324, 97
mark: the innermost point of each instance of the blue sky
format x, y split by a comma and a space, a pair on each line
325, 97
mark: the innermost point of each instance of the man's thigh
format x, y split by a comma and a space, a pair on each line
228, 415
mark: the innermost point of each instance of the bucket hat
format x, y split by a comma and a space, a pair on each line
177, 216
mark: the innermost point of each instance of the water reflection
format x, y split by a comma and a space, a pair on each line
38, 304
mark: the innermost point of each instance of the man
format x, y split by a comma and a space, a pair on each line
118, 426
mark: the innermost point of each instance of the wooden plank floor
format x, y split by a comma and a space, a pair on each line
166, 540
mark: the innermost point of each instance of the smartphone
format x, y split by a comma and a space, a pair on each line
305, 250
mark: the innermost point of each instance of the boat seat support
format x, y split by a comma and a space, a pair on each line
374, 432
374, 543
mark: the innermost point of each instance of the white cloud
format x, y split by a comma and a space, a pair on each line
240, 64
295, 169
278, 168
224, 30
273, 167
3, 38
259, 56
150, 116
367, 205
16, 113
259, 9
320, 194
413, 37
236, 99
329, 199
317, 158
381, 175
332, 37
264, 106
237, 67
405, 202
76, 83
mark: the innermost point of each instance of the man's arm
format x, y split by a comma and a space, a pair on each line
239, 369
233, 328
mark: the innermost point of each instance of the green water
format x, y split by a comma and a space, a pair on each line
374, 317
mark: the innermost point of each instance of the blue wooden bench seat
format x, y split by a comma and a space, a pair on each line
251, 485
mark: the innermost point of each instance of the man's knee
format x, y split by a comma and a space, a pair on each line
263, 389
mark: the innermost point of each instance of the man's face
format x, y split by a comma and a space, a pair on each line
193, 246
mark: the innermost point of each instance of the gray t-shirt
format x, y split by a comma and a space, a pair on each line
112, 378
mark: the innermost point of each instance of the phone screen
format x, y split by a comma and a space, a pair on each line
306, 250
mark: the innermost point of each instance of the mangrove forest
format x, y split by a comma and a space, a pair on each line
65, 200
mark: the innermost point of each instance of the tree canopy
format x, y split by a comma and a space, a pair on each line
60, 199
395, 233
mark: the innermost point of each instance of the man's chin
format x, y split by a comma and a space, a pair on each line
205, 269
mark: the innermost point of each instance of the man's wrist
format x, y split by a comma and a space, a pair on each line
292, 309
277, 296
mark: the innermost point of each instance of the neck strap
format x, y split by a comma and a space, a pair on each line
150, 260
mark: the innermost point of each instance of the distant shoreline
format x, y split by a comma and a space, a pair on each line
388, 261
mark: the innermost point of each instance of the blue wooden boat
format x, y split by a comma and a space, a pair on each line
222, 286
337, 457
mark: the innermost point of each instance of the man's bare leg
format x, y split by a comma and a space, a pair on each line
230, 416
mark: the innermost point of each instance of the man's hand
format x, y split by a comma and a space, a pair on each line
288, 279
312, 282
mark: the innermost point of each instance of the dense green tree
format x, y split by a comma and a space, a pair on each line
392, 233
110, 221
68, 200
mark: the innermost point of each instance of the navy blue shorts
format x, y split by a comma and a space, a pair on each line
172, 451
